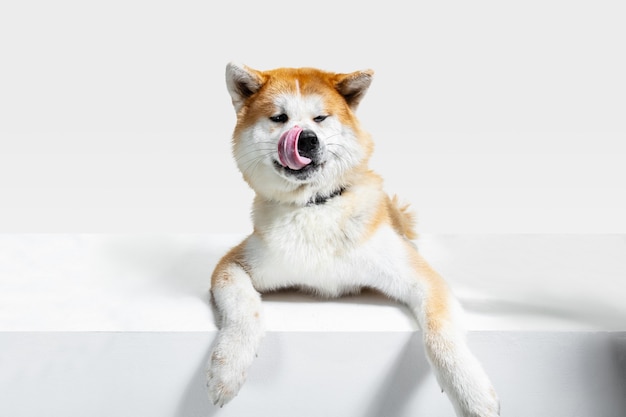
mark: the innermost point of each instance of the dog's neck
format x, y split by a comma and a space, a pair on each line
323, 198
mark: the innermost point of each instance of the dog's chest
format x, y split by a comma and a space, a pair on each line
308, 234
315, 247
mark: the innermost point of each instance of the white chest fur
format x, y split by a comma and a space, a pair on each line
320, 248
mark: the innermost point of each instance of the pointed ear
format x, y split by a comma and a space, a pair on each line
353, 86
242, 82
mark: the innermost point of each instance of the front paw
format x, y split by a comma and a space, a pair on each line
490, 406
482, 404
494, 402
224, 380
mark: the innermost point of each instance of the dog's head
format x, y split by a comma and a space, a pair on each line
297, 137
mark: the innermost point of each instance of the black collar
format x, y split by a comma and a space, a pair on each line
321, 199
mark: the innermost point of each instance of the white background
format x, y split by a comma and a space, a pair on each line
489, 116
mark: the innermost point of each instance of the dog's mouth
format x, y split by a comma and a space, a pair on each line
288, 152
298, 153
298, 174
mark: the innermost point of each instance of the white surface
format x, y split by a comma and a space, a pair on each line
489, 117
104, 325
95, 282
336, 374
114, 118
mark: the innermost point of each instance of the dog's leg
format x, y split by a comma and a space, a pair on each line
241, 329
457, 370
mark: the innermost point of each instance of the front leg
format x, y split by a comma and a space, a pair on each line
458, 372
241, 327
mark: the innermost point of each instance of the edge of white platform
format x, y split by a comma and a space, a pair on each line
96, 282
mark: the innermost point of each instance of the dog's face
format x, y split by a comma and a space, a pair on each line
296, 134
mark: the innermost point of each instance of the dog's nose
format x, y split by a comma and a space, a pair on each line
307, 143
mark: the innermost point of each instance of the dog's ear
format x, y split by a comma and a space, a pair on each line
242, 82
353, 86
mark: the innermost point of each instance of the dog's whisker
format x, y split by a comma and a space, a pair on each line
253, 164
339, 159
255, 151
336, 155
333, 135
337, 144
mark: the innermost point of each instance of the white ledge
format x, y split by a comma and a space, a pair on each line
96, 282
117, 325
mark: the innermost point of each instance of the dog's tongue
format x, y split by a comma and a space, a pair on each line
288, 150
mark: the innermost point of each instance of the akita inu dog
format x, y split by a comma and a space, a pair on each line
323, 223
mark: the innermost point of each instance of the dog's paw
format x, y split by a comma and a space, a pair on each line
494, 402
223, 379
222, 388
467, 384
483, 404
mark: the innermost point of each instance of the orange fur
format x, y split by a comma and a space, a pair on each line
235, 256
402, 219
311, 81
436, 303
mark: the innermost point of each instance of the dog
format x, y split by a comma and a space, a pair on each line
324, 224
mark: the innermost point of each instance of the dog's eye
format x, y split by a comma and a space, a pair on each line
319, 119
281, 118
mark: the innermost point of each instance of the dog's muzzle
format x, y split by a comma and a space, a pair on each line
296, 148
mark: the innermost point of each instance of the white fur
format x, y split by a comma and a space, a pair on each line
238, 340
255, 149
329, 249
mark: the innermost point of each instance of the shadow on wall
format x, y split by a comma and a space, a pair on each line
395, 395
618, 347
178, 264
195, 400
584, 312
402, 381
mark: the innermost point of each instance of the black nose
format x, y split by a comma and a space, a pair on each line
307, 143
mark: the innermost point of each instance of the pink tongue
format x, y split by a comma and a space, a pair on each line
288, 150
